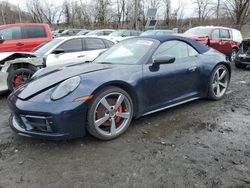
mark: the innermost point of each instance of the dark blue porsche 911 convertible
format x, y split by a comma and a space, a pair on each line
134, 78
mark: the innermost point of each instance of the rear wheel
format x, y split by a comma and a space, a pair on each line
110, 113
219, 82
19, 77
233, 54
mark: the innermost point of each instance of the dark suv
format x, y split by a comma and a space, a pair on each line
243, 57
226, 40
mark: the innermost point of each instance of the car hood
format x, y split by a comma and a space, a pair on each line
55, 75
204, 39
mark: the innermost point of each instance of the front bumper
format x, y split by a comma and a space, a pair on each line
243, 61
47, 121
3, 81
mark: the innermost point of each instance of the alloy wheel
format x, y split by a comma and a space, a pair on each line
112, 114
220, 82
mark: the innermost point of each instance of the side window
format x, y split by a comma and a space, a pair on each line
177, 49
215, 34
224, 34
108, 43
94, 44
192, 51
74, 45
11, 33
34, 32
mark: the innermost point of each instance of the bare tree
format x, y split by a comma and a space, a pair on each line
238, 10
167, 4
203, 9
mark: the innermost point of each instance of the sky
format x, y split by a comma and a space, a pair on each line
188, 11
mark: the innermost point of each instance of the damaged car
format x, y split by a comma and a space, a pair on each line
17, 68
134, 78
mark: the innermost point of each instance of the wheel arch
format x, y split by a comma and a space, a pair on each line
15, 66
123, 85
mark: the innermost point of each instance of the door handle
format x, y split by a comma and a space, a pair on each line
80, 56
192, 69
19, 44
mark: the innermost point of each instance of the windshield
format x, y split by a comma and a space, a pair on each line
84, 32
126, 52
198, 31
92, 32
157, 32
117, 33
44, 48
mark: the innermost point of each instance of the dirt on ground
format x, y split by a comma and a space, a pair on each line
199, 144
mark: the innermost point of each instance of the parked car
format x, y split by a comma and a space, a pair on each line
158, 32
226, 40
125, 33
57, 33
135, 77
17, 68
23, 37
100, 32
83, 32
242, 59
122, 34
69, 32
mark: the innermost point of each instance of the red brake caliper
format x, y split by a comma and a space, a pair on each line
17, 80
118, 119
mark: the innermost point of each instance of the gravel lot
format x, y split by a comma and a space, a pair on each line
199, 144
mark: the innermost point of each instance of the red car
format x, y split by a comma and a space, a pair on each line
225, 40
23, 37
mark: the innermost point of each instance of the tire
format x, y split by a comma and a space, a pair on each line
240, 66
233, 54
218, 83
106, 123
25, 75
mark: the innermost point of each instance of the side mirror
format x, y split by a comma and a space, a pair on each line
58, 51
163, 60
1, 38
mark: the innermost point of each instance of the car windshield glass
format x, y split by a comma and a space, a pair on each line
157, 32
92, 33
126, 52
117, 33
198, 31
44, 48
149, 32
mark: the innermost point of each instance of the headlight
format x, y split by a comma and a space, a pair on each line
66, 88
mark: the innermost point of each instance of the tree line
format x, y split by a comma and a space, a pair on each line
126, 13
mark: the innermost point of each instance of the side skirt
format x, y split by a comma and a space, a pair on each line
170, 106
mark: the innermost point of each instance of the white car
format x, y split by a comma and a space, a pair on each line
17, 68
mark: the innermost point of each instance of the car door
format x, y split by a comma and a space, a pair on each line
32, 36
171, 83
72, 52
215, 40
93, 47
11, 37
226, 40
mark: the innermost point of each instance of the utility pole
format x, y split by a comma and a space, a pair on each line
3, 16
136, 14
19, 14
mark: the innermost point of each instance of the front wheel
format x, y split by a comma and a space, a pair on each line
219, 82
110, 113
19, 77
233, 54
